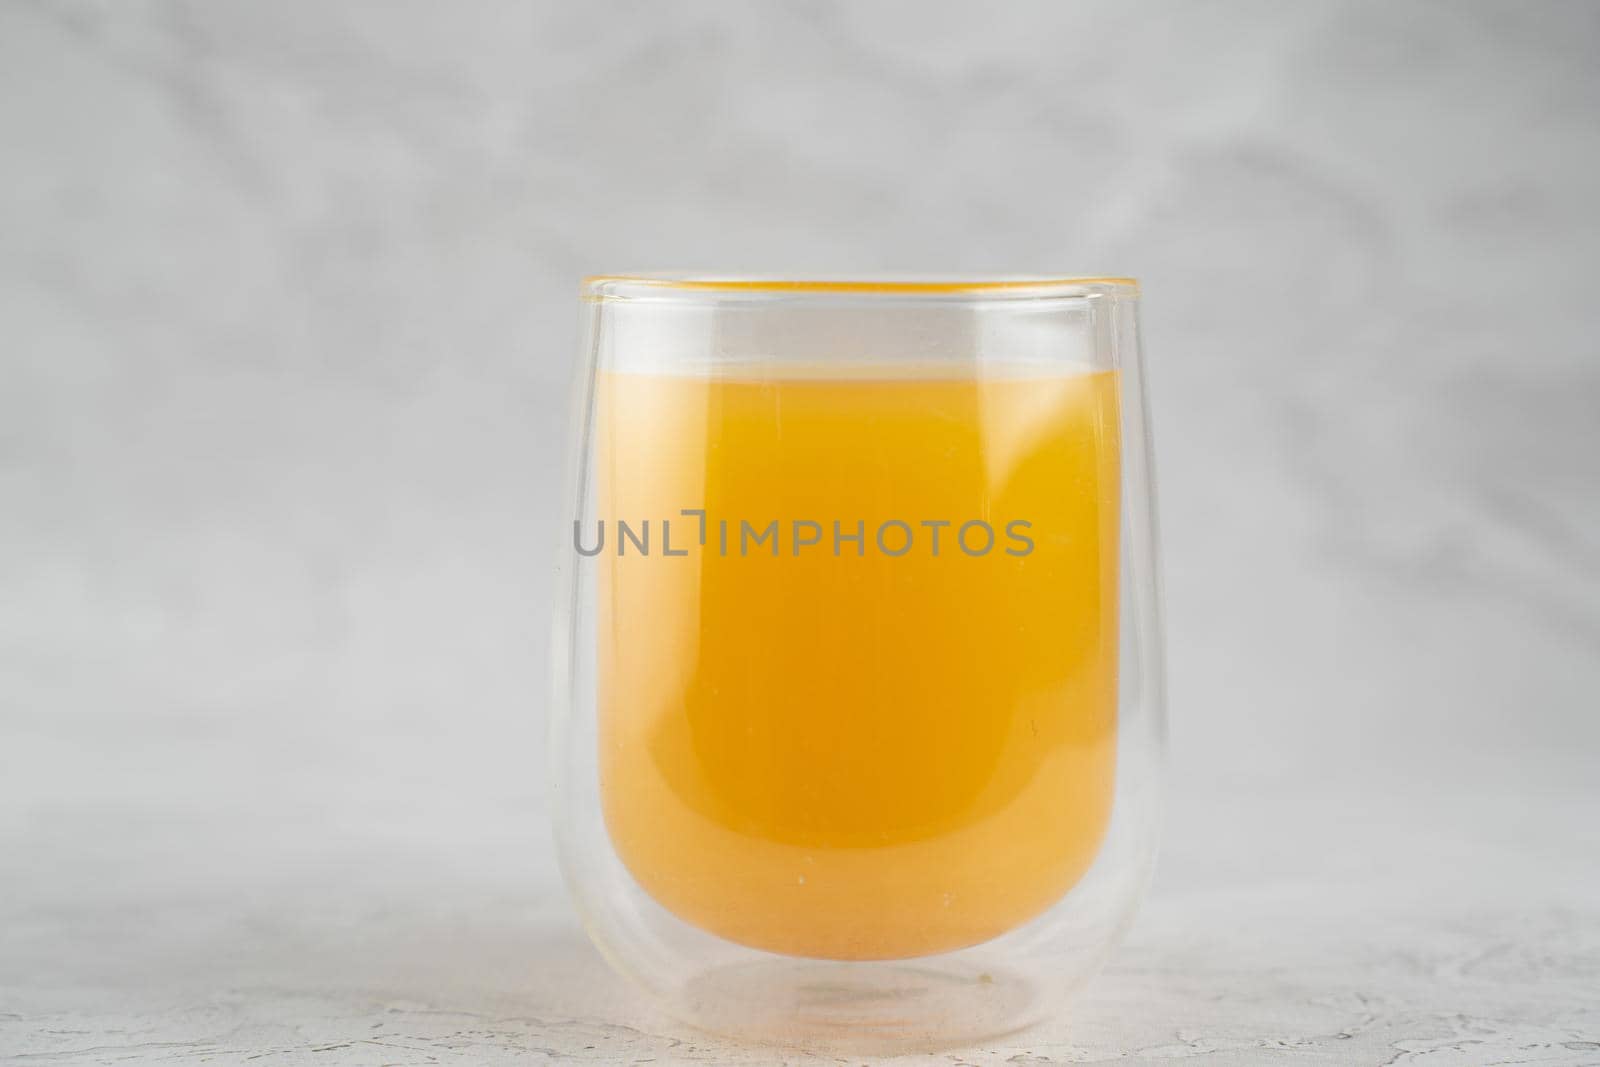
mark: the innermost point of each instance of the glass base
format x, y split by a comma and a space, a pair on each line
867, 1008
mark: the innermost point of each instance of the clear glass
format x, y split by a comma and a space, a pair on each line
858, 718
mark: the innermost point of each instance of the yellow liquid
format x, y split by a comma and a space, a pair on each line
862, 755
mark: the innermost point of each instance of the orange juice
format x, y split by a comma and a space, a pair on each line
838, 719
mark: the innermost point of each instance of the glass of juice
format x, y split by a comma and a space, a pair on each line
859, 710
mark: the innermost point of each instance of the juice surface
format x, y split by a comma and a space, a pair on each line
857, 750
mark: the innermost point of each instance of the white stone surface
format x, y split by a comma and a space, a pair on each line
286, 314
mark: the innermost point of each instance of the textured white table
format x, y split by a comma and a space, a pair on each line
1461, 928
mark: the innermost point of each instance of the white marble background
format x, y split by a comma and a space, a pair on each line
286, 314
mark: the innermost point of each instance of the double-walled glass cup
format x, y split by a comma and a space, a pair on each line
859, 713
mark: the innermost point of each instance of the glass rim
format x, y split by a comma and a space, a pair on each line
695, 286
